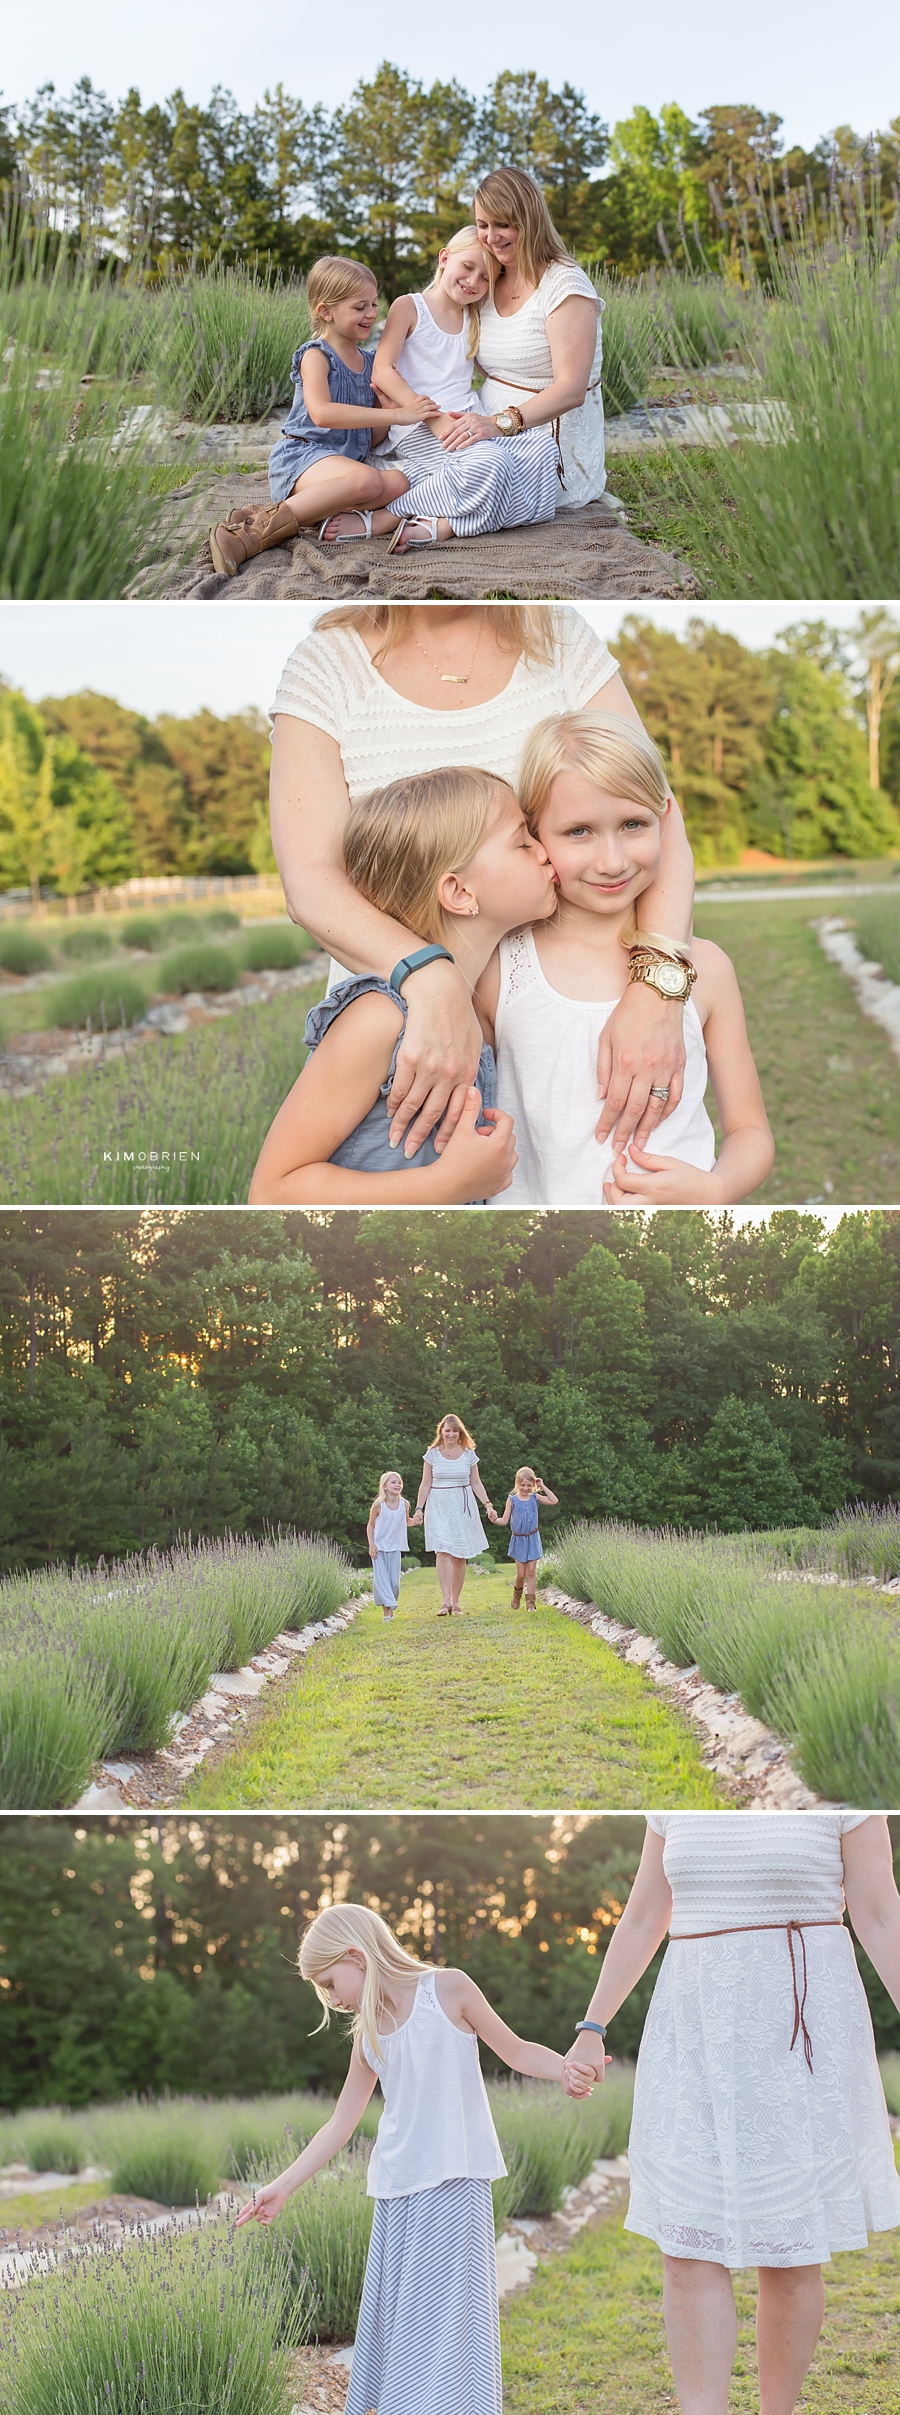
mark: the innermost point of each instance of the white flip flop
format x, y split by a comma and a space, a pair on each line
365, 517
403, 526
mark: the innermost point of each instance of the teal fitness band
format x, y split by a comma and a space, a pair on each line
410, 964
599, 2026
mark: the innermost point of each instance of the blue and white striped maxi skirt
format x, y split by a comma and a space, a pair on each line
503, 482
428, 2338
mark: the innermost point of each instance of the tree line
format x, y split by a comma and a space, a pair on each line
144, 1955
794, 749
390, 174
170, 1372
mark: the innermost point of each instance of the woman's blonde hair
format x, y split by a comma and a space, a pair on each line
464, 1434
401, 841
617, 754
333, 279
352, 1927
527, 630
459, 243
382, 1480
511, 198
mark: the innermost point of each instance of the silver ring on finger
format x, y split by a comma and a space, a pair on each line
658, 1092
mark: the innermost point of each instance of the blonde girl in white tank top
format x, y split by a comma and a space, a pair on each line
593, 789
428, 2333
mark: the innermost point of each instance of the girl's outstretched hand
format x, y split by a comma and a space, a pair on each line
266, 2204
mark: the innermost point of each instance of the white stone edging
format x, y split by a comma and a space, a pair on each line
735, 1745
877, 996
210, 1721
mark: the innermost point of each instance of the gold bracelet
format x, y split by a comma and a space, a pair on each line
678, 950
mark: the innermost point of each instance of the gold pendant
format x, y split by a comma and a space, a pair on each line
451, 679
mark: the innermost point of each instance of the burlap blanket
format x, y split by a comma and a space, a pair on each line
580, 553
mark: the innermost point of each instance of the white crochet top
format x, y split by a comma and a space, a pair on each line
330, 680
514, 352
730, 1869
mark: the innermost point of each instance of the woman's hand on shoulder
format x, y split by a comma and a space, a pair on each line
641, 1049
437, 1059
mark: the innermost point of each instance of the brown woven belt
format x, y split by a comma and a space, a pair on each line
792, 1929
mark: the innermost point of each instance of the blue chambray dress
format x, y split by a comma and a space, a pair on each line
301, 443
368, 1149
524, 1539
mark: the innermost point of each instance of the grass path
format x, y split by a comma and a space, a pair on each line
588, 2333
829, 1077
517, 1710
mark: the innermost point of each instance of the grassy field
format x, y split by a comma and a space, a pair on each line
589, 2333
516, 1709
829, 1077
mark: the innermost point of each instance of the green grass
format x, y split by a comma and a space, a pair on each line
819, 1666
589, 2333
498, 1707
34, 2207
829, 1077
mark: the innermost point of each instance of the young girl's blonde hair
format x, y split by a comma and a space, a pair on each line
459, 243
511, 198
334, 1933
615, 753
464, 1434
525, 1471
400, 841
382, 1480
333, 279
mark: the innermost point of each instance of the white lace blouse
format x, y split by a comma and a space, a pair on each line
331, 681
514, 353
728, 1869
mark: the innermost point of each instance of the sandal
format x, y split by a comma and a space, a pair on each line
352, 513
397, 544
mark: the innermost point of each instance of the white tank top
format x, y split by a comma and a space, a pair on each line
436, 364
546, 1048
436, 2123
390, 1528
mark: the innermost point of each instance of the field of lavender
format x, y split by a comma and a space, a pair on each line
302, 2280
101, 1661
818, 1661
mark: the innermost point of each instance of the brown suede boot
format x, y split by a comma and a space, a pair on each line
516, 1602
249, 530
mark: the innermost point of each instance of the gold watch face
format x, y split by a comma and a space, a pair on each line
671, 979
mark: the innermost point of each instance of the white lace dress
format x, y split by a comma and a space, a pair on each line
452, 1522
740, 2154
514, 353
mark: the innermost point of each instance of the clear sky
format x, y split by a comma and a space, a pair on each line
173, 658
816, 71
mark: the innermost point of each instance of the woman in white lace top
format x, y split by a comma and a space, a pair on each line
760, 2132
540, 342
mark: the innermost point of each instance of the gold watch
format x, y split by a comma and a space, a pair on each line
509, 421
670, 980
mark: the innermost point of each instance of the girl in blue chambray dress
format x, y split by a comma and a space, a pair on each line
525, 1546
322, 461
